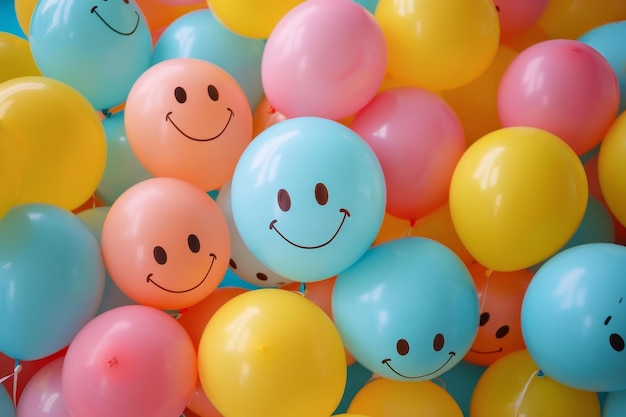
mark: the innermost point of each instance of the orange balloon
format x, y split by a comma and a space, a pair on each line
569, 19
500, 331
159, 14
90, 203
391, 228
529, 37
264, 116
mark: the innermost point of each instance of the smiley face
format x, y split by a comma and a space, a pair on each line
189, 119
124, 18
165, 243
402, 347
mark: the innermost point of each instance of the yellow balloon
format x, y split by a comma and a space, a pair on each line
16, 51
11, 170
60, 137
251, 18
517, 195
24, 11
438, 45
350, 415
512, 387
272, 353
384, 397
570, 19
612, 168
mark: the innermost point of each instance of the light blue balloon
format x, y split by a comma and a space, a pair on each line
8, 20
308, 198
407, 310
574, 317
460, 382
122, 169
6, 404
608, 39
370, 5
51, 280
200, 35
615, 404
98, 47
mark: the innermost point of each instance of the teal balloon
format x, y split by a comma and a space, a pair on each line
308, 198
122, 169
97, 47
407, 310
51, 280
200, 35
6, 404
460, 382
9, 22
370, 5
232, 280
574, 317
614, 404
608, 40
357, 377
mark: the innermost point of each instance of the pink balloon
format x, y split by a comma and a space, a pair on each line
564, 87
43, 395
324, 58
127, 362
517, 16
418, 140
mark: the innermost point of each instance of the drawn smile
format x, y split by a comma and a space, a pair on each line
345, 212
230, 116
386, 362
486, 352
213, 258
93, 10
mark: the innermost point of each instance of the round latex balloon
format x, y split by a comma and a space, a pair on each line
418, 140
63, 146
574, 318
6, 404
51, 282
308, 198
165, 243
516, 16
460, 381
267, 340
11, 170
24, 12
569, 19
329, 73
43, 395
98, 47
536, 91
439, 45
615, 404
517, 196
393, 309
189, 119
611, 173
16, 50
127, 362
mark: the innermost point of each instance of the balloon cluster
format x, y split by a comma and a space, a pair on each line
313, 208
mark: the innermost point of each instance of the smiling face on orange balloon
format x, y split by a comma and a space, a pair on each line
189, 119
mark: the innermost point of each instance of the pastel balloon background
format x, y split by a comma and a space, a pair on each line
615, 404
380, 305
99, 48
199, 34
329, 73
611, 175
6, 403
165, 243
569, 19
51, 282
308, 197
573, 319
515, 17
460, 382
11, 170
9, 22
16, 50
43, 395
189, 119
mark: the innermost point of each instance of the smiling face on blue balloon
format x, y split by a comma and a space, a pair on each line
308, 198
123, 21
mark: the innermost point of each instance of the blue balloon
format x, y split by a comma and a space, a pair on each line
98, 47
615, 404
407, 310
370, 5
51, 280
122, 169
200, 35
8, 20
574, 317
460, 382
232, 280
608, 40
6, 404
357, 377
308, 198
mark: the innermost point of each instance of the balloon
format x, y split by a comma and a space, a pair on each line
370, 5
571, 317
11, 170
200, 35
51, 281
165, 243
308, 198
127, 362
615, 404
529, 37
513, 387
439, 45
251, 18
500, 329
242, 262
611, 172
358, 376
517, 16
159, 15
60, 137
16, 50
330, 73
460, 382
24, 12
418, 140
268, 340
475, 103
602, 39
536, 91
392, 228
384, 397
264, 116
180, 2
230, 279
379, 305
99, 50
187, 118
569, 19
200, 404
43, 395
6, 404
516, 197
122, 169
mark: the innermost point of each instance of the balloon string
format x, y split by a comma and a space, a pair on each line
302, 289
106, 113
409, 231
484, 298
14, 374
518, 403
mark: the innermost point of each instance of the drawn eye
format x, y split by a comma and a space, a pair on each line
321, 194
484, 318
284, 201
194, 243
180, 94
438, 342
261, 276
502, 331
617, 342
213, 93
159, 255
232, 263
402, 347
